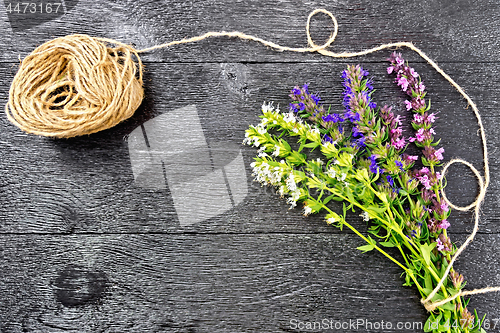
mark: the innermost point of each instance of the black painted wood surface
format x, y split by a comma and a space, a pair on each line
84, 248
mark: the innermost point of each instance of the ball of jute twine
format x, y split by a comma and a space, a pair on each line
77, 85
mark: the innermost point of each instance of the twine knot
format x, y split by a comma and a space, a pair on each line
77, 85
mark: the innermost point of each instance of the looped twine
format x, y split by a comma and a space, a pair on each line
483, 184
76, 85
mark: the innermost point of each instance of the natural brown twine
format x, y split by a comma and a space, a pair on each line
76, 85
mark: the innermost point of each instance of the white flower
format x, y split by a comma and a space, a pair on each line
290, 183
282, 190
314, 130
267, 107
276, 150
292, 203
262, 154
295, 130
289, 117
307, 210
256, 142
319, 161
261, 129
295, 195
264, 121
342, 177
331, 172
365, 216
331, 220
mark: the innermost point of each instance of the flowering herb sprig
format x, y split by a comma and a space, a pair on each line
362, 163
437, 210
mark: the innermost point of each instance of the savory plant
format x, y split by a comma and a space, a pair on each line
358, 158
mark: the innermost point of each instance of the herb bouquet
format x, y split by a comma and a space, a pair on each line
358, 158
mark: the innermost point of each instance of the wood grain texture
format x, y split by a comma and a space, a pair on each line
447, 30
83, 248
217, 283
194, 283
86, 184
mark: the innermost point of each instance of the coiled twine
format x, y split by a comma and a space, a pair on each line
75, 85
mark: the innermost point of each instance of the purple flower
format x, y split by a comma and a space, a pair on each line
439, 154
390, 69
360, 143
427, 196
399, 164
326, 139
302, 106
425, 181
431, 118
398, 143
315, 98
397, 120
356, 132
403, 82
333, 117
306, 88
296, 91
408, 105
440, 245
390, 180
417, 118
373, 166
444, 224
420, 135
413, 73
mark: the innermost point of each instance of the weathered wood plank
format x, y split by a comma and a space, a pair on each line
221, 283
87, 184
446, 30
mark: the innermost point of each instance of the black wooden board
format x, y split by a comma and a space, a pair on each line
85, 247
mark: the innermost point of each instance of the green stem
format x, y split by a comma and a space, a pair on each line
367, 240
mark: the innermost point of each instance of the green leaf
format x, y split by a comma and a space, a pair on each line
376, 209
286, 145
428, 282
387, 244
366, 248
432, 323
311, 145
327, 199
447, 306
426, 252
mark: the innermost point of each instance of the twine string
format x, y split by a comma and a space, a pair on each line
62, 79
